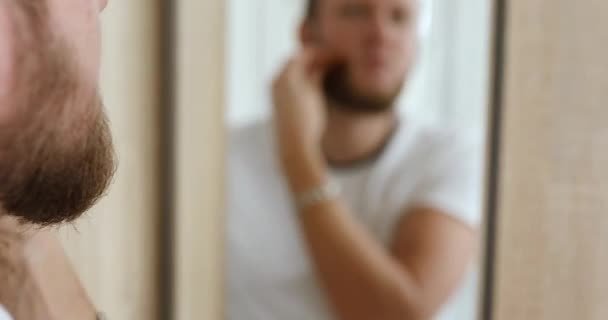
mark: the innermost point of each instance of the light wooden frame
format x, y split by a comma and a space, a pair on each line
547, 254
199, 168
200, 135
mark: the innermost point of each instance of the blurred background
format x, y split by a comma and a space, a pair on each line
449, 86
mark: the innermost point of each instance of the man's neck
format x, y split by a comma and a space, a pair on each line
353, 137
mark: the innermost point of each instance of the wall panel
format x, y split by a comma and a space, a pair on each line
552, 252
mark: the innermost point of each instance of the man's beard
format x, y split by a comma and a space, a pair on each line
341, 94
56, 155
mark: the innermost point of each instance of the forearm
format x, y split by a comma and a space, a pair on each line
362, 279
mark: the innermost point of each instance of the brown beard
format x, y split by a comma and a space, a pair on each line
341, 94
56, 155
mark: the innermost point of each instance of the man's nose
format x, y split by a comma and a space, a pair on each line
379, 29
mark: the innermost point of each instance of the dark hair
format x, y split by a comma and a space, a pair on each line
312, 7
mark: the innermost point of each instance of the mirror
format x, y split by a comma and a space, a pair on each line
356, 158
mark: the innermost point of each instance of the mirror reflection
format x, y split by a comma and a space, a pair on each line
356, 158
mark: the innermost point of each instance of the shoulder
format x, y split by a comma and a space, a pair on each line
427, 148
447, 146
447, 138
442, 167
452, 182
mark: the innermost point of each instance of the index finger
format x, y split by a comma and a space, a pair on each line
316, 60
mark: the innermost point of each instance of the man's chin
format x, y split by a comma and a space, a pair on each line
54, 184
364, 101
341, 93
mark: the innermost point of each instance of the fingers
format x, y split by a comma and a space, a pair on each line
312, 62
308, 65
315, 57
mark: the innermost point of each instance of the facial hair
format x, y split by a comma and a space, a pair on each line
56, 155
340, 93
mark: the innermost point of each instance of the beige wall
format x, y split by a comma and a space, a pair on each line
553, 226
114, 248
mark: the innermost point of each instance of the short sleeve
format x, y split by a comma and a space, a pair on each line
453, 180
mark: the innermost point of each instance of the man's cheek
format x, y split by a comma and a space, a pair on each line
77, 24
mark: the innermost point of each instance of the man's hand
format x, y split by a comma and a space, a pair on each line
19, 292
300, 115
299, 104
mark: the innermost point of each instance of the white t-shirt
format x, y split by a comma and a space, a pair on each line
4, 314
270, 275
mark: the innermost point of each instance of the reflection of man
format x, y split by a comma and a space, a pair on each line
396, 241
56, 157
